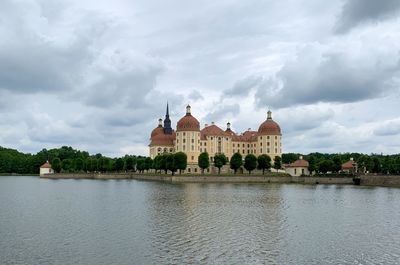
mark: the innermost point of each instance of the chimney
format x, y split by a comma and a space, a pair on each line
206, 125
212, 123
301, 157
351, 159
188, 110
228, 126
249, 129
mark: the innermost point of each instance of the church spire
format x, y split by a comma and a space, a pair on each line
167, 122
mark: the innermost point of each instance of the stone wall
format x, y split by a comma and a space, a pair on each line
380, 180
326, 180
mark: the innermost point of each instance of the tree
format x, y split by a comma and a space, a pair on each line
148, 163
204, 161
119, 164
140, 166
163, 163
250, 162
67, 165
56, 165
264, 162
277, 163
180, 161
219, 161
236, 162
312, 164
170, 163
337, 163
79, 164
376, 168
129, 163
326, 165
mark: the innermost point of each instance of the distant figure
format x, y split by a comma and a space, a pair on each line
46, 169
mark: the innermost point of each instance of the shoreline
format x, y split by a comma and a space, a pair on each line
365, 180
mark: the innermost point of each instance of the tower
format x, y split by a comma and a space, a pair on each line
167, 122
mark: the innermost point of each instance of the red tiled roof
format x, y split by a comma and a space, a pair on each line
46, 165
299, 163
156, 131
269, 127
188, 123
349, 164
163, 139
212, 130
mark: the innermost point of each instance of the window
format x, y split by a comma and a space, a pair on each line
177, 134
212, 138
195, 169
248, 151
276, 150
189, 169
205, 144
192, 157
192, 148
261, 144
295, 171
302, 171
184, 134
243, 151
267, 150
248, 145
276, 144
268, 137
243, 145
184, 148
267, 143
192, 141
184, 140
170, 150
177, 140
260, 150
261, 138
276, 137
201, 149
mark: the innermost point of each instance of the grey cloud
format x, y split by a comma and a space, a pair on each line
195, 96
356, 12
222, 112
329, 77
243, 87
388, 128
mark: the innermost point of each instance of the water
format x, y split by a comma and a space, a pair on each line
131, 222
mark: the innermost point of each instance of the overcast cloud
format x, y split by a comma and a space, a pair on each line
96, 75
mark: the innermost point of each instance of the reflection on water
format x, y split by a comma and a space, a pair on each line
131, 222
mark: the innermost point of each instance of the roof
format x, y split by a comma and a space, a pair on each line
46, 165
299, 163
349, 164
156, 131
163, 139
212, 130
269, 127
188, 123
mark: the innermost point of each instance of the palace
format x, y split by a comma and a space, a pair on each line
192, 140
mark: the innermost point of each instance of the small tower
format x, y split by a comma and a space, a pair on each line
167, 122
269, 115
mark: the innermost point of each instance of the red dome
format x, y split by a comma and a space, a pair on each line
163, 139
188, 123
157, 131
269, 127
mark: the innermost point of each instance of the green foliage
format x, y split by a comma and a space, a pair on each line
129, 163
326, 166
236, 162
277, 163
204, 161
219, 161
119, 164
78, 164
148, 163
56, 165
170, 163
250, 162
140, 165
180, 161
264, 162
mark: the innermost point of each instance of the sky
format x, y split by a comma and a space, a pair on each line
97, 74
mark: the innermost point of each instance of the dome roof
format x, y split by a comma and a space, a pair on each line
158, 130
188, 122
269, 127
163, 139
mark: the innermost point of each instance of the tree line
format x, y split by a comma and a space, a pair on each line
323, 163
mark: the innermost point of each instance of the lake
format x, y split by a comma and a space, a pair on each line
46, 221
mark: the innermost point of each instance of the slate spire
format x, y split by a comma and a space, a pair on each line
167, 122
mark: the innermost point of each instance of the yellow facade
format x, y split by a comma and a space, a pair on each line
192, 140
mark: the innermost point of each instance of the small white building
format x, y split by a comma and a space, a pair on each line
46, 169
298, 168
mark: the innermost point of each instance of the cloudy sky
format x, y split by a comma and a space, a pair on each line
97, 74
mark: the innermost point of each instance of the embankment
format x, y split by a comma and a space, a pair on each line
366, 180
